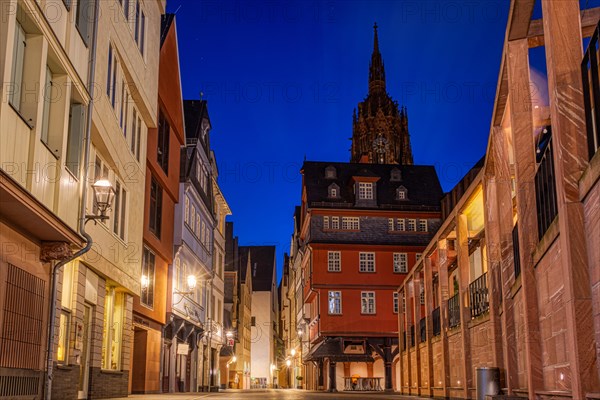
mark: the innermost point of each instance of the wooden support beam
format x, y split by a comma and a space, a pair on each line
563, 55
589, 21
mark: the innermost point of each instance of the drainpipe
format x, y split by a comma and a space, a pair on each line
82, 206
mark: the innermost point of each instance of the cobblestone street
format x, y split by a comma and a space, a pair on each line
274, 394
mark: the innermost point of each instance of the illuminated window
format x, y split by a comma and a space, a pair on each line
365, 190
401, 224
112, 331
412, 225
390, 224
400, 263
325, 222
422, 225
335, 222
350, 223
335, 302
148, 277
367, 302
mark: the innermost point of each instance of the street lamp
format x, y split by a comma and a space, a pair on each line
104, 195
293, 353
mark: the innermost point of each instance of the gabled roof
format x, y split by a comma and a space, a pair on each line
262, 262
165, 25
421, 181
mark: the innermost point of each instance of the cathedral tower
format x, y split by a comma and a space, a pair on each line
380, 129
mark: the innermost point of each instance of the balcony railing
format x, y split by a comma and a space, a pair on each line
545, 185
423, 330
516, 250
412, 336
478, 295
591, 93
454, 311
436, 322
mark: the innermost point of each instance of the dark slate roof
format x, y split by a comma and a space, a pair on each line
243, 260
331, 348
424, 191
165, 26
262, 262
195, 111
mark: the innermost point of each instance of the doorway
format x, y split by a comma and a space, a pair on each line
84, 365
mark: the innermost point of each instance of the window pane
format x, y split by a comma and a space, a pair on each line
17, 67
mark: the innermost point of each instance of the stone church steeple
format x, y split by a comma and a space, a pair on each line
380, 128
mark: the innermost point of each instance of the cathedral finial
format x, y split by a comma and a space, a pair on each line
375, 39
376, 70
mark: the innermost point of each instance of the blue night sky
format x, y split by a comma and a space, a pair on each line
282, 81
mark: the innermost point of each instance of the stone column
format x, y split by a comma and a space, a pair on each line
320, 384
387, 360
332, 376
563, 42
499, 225
524, 149
463, 268
443, 301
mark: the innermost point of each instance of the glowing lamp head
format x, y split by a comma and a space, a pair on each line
191, 282
288, 362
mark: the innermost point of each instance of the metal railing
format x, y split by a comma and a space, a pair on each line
423, 329
454, 311
516, 250
478, 296
436, 322
545, 185
591, 93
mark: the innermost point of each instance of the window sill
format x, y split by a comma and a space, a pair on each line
54, 153
336, 272
29, 124
111, 372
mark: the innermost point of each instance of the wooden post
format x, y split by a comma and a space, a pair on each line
563, 41
524, 149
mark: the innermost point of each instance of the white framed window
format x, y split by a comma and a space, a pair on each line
140, 27
400, 224
203, 237
112, 330
350, 223
197, 227
111, 77
17, 67
367, 303
403, 303
325, 222
395, 302
365, 190
334, 261
412, 225
193, 218
422, 225
390, 224
333, 192
47, 103
335, 222
186, 211
422, 294
335, 302
119, 210
400, 263
136, 133
401, 193
148, 277
366, 262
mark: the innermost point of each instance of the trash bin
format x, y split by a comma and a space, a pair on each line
488, 382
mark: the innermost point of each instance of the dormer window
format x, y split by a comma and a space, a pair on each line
365, 190
395, 175
333, 191
401, 193
330, 172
